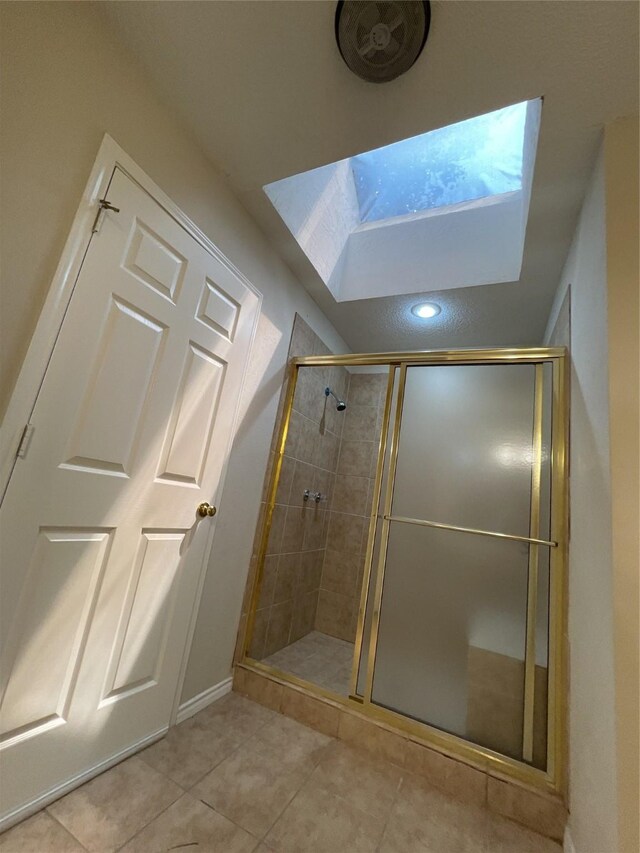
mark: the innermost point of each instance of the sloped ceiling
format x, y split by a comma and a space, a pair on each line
263, 89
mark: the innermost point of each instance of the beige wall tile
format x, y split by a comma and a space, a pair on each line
367, 389
257, 687
304, 614
287, 470
367, 735
544, 814
454, 777
293, 533
355, 458
312, 712
294, 432
279, 627
345, 532
350, 495
303, 479
277, 528
286, 578
361, 423
309, 434
327, 449
259, 634
268, 581
335, 615
310, 570
315, 528
340, 572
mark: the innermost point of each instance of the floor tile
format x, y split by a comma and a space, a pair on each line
299, 742
424, 820
504, 836
37, 834
237, 717
190, 751
318, 658
253, 786
190, 825
111, 808
369, 785
319, 821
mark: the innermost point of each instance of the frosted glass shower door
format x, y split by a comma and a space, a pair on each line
452, 633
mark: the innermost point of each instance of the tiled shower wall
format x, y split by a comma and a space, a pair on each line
295, 552
315, 554
350, 509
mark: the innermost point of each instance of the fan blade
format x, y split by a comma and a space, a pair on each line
366, 47
370, 16
392, 47
396, 23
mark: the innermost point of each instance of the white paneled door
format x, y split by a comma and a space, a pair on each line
102, 543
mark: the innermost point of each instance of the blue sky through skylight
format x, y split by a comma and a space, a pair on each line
473, 159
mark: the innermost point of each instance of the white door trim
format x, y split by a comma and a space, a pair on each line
32, 373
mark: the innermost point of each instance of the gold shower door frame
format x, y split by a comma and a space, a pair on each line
553, 778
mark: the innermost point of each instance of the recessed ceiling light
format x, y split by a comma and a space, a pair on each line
424, 310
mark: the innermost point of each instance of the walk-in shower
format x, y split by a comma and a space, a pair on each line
424, 582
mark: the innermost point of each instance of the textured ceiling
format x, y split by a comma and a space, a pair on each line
263, 89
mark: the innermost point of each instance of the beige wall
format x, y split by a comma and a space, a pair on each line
65, 82
602, 275
592, 731
623, 289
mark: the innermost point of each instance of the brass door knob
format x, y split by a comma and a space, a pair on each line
206, 509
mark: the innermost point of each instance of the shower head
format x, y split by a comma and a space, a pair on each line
340, 404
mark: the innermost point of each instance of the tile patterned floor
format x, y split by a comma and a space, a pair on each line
318, 658
238, 778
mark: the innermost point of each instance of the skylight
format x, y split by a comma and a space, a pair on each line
472, 159
442, 210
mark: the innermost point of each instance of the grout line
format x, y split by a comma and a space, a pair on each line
53, 817
301, 786
138, 831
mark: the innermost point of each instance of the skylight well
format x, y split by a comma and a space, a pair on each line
444, 209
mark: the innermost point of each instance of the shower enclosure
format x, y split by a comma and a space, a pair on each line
412, 553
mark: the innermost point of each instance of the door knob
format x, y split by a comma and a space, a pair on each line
206, 509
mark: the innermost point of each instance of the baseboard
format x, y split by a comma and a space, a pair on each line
197, 703
23, 812
568, 845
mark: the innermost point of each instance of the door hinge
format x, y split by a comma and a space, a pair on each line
25, 441
103, 205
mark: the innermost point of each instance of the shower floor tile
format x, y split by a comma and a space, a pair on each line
284, 788
318, 658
